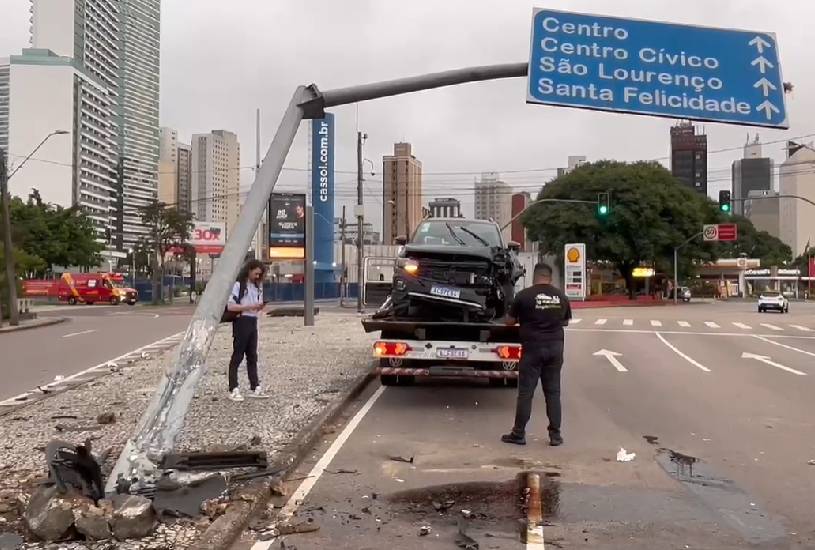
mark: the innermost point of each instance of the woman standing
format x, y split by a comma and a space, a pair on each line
247, 301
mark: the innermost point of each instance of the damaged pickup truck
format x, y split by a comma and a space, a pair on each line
453, 270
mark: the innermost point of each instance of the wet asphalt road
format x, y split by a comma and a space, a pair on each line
686, 384
92, 335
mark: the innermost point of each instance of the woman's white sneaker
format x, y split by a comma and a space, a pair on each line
235, 395
258, 393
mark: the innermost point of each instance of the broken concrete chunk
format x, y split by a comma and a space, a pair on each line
106, 418
94, 521
424, 530
133, 517
49, 514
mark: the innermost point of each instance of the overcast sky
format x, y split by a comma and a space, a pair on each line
221, 60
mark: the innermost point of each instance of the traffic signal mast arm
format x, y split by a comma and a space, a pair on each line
540, 201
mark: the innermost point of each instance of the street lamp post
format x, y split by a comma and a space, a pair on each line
5, 195
132, 266
676, 264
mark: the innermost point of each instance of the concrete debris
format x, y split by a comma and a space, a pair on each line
133, 517
424, 530
811, 462
308, 526
256, 441
94, 521
443, 507
278, 488
10, 541
467, 514
402, 459
625, 456
50, 515
106, 418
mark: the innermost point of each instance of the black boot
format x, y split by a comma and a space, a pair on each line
513, 438
555, 439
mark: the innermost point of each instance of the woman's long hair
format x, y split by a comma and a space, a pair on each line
243, 274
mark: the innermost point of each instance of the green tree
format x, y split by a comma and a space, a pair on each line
170, 228
651, 213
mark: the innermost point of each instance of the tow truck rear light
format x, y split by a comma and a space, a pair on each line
391, 349
509, 353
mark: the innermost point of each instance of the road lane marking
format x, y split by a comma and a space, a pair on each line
682, 355
656, 323
711, 324
628, 322
317, 471
785, 336
785, 346
766, 360
771, 327
72, 334
601, 321
803, 329
107, 364
742, 326
574, 321
612, 358
683, 324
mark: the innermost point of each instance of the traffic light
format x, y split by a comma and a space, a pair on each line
603, 204
725, 202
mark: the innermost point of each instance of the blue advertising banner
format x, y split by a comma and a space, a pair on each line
654, 68
322, 195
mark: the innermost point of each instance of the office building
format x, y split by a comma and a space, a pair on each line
138, 115
763, 208
168, 166
401, 192
493, 200
4, 97
445, 208
184, 175
796, 177
689, 156
216, 178
573, 161
518, 233
752, 173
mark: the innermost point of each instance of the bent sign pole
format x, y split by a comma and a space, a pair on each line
164, 417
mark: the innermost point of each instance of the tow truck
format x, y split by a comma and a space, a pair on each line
410, 349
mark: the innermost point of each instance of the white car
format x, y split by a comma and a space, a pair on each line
773, 300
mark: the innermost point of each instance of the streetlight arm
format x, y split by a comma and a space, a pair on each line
539, 201
37, 148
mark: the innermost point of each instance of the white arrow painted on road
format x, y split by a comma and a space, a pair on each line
612, 358
763, 64
766, 360
766, 85
760, 44
768, 109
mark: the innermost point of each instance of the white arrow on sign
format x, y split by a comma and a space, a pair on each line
760, 44
768, 109
612, 358
766, 85
763, 63
766, 360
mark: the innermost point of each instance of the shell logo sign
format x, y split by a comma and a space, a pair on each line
573, 255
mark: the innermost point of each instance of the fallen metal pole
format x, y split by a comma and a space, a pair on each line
164, 417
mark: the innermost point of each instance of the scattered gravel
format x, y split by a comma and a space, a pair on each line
302, 369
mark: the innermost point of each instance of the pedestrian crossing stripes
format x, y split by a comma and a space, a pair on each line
635, 324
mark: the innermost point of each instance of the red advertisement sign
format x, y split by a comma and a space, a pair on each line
728, 232
812, 266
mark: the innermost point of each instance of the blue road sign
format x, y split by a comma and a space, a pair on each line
652, 68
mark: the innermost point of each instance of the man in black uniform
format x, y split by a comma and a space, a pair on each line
542, 311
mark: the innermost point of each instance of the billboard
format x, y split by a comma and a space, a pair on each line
287, 226
322, 194
208, 237
574, 259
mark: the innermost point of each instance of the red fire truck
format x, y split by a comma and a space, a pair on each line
83, 288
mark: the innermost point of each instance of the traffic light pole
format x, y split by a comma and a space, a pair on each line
676, 266
8, 255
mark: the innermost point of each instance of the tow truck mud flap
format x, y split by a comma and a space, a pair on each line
447, 370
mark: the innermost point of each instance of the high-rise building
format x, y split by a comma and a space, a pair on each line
518, 233
4, 97
796, 177
689, 156
752, 173
138, 114
168, 166
216, 177
493, 200
573, 161
763, 208
184, 182
401, 192
445, 208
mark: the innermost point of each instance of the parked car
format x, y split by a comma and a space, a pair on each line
771, 300
684, 294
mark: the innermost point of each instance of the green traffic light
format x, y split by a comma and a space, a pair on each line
603, 209
725, 208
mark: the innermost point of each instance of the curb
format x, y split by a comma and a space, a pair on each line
253, 497
38, 324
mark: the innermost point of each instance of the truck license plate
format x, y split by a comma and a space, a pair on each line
445, 292
452, 353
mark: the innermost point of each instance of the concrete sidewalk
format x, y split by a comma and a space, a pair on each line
32, 324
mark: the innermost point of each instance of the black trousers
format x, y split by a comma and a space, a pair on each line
244, 344
542, 364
